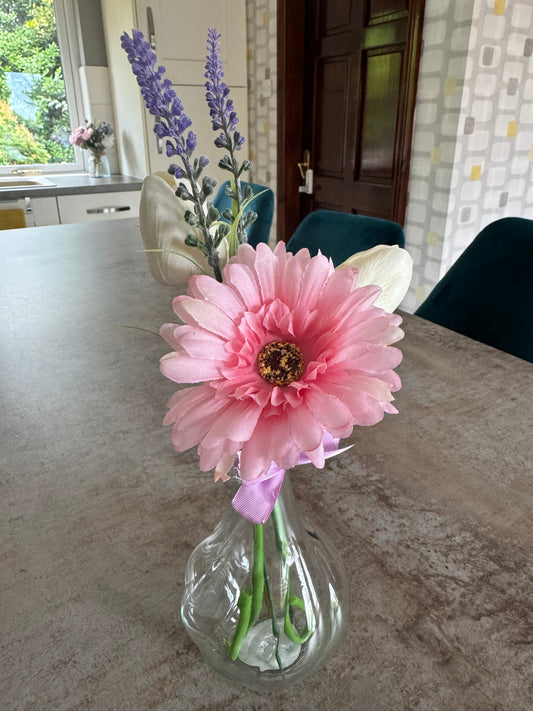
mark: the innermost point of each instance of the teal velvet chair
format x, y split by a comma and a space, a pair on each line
263, 205
488, 293
339, 234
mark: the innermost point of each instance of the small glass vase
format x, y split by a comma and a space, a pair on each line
267, 605
98, 165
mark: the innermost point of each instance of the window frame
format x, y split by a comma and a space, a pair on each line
67, 37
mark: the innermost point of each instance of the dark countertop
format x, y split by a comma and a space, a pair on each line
430, 511
73, 184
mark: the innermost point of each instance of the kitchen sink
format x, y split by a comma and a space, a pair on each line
11, 182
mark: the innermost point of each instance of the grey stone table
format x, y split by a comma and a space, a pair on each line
431, 509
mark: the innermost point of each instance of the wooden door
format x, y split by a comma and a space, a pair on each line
354, 104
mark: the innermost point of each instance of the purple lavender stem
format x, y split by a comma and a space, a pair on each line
161, 100
224, 119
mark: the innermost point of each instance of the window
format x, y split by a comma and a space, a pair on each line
38, 106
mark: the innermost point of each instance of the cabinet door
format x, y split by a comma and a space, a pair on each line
44, 211
180, 35
92, 207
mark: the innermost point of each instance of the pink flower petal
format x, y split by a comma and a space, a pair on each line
243, 282
185, 369
221, 295
265, 267
377, 359
332, 413
205, 315
364, 408
338, 287
201, 344
223, 467
305, 431
167, 332
193, 415
316, 274
290, 279
237, 423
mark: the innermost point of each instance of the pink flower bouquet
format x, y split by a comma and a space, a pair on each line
95, 137
284, 353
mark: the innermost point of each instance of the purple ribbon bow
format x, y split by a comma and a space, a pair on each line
256, 498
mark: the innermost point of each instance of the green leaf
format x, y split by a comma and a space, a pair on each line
233, 238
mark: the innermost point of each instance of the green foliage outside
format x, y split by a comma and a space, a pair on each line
28, 44
17, 144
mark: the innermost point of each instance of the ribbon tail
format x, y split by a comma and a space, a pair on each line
255, 499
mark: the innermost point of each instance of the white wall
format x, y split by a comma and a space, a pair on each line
261, 19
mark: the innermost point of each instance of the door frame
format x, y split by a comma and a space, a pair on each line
290, 95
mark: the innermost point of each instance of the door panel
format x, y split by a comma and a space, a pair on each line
330, 114
378, 8
380, 105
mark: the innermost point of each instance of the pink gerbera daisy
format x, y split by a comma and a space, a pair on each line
286, 349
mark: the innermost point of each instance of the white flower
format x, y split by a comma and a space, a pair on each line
391, 268
163, 227
108, 141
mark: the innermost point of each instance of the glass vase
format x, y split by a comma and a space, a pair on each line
266, 604
98, 165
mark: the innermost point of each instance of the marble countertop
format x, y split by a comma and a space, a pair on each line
73, 184
431, 510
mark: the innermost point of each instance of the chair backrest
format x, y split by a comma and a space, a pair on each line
339, 234
263, 205
488, 293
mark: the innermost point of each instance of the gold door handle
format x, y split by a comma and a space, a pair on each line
304, 167
307, 174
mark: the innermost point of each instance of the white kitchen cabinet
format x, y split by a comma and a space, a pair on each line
92, 207
179, 37
44, 211
38, 212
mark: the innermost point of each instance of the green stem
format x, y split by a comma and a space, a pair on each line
245, 606
275, 628
282, 545
211, 251
251, 601
258, 578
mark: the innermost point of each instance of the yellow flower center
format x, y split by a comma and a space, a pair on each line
280, 363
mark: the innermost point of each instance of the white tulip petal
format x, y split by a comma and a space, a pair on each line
391, 268
163, 226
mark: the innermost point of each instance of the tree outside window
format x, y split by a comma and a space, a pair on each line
34, 117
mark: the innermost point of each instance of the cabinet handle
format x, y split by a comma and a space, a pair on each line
107, 210
151, 26
159, 141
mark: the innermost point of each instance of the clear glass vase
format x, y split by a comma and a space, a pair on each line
267, 604
98, 165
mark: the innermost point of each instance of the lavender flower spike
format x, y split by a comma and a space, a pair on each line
224, 119
158, 95
221, 110
161, 100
